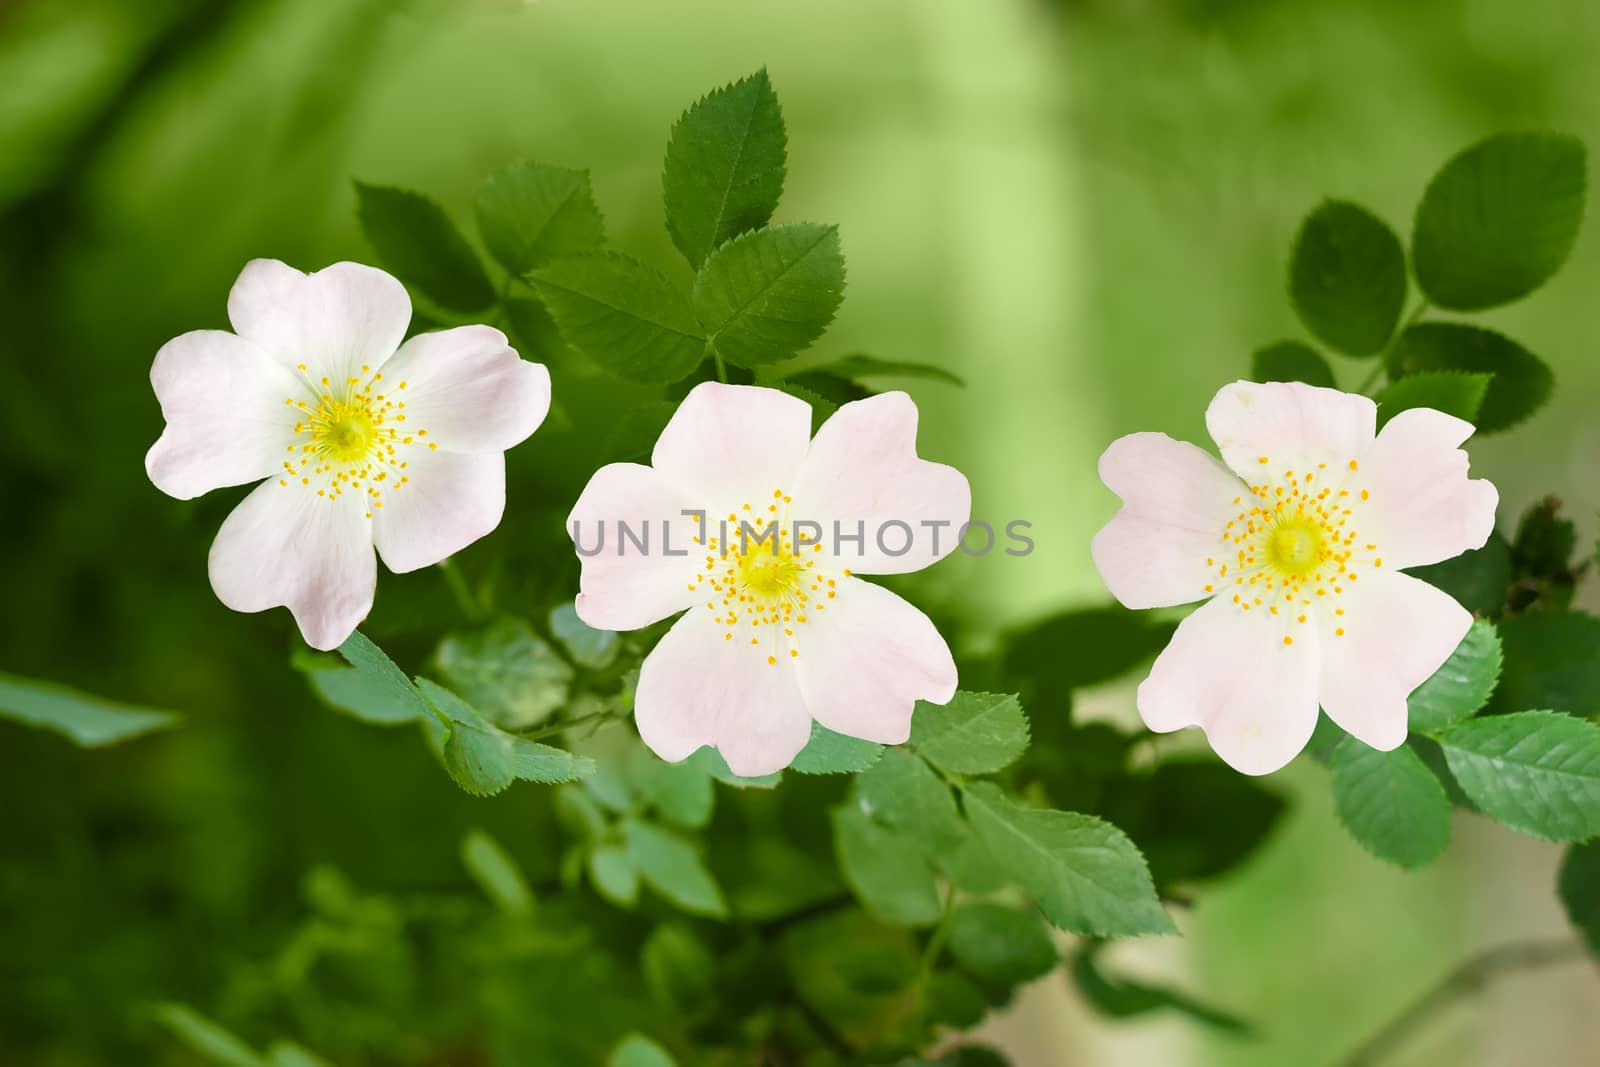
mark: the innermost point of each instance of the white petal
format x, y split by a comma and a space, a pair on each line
468, 389
450, 501
227, 423
1398, 630
698, 688
1423, 508
731, 444
623, 587
1292, 425
286, 545
1176, 501
333, 321
865, 659
862, 472
1229, 672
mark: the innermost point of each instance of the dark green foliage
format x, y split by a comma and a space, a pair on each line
416, 240
1521, 382
1347, 277
1291, 361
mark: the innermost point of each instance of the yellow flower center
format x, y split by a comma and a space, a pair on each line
1292, 548
764, 585
351, 437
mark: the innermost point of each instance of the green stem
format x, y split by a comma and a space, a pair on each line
722, 370
463, 593
566, 724
1383, 357
1469, 977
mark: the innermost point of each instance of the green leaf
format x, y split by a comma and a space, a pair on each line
204, 1037
1001, 945
533, 331
484, 759
530, 214
1535, 771
858, 365
623, 315
633, 435
1578, 886
875, 970
417, 241
975, 733
1521, 382
291, 1054
822, 408
725, 166
588, 647
672, 867
1291, 361
1462, 685
953, 1000
1184, 841
1544, 541
1479, 579
88, 720
636, 1050
1550, 662
678, 969
1390, 802
680, 792
902, 792
505, 671
831, 753
769, 293
375, 691
614, 875
1084, 873
496, 873
885, 871
1499, 219
1122, 998
1347, 278
1453, 392
969, 866
1080, 648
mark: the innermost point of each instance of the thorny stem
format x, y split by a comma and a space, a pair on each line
1468, 977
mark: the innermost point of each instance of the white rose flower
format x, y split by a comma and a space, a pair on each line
777, 631
1297, 545
364, 442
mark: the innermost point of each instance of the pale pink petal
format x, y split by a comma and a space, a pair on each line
865, 658
624, 586
1422, 507
1229, 672
449, 501
1176, 501
334, 321
863, 473
1398, 630
286, 545
729, 445
227, 423
467, 388
697, 688
1290, 426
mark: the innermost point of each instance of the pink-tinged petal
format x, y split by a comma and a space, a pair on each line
624, 586
863, 473
286, 545
1290, 425
697, 688
467, 388
1176, 501
865, 658
1229, 672
729, 445
1398, 630
449, 501
227, 423
333, 321
1422, 507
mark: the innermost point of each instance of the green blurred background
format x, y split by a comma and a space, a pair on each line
1083, 208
